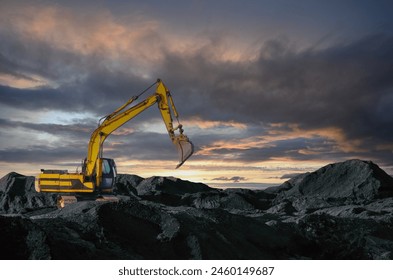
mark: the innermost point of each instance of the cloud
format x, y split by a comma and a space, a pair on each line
345, 88
290, 175
98, 32
75, 130
42, 154
70, 141
234, 179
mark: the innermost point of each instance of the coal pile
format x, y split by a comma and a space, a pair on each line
341, 211
17, 195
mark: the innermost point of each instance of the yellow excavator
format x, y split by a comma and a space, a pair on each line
98, 175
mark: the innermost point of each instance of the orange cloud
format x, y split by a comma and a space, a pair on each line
98, 32
284, 131
335, 134
136, 37
23, 81
204, 124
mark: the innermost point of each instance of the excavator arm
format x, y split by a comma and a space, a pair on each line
123, 114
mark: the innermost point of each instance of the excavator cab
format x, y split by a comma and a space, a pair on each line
109, 173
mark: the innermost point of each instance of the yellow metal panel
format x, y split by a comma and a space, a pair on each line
64, 190
70, 182
49, 176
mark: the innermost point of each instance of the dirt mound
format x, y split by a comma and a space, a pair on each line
356, 179
126, 184
229, 199
347, 238
17, 195
341, 211
21, 238
169, 185
137, 230
349, 182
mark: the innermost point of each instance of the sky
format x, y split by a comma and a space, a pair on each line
265, 89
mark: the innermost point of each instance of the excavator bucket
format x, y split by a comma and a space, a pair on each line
186, 149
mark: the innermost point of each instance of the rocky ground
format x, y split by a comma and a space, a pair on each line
341, 211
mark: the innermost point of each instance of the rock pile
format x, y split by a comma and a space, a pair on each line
341, 211
17, 195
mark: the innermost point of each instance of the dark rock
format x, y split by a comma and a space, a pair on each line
17, 195
168, 190
291, 183
354, 180
284, 207
22, 239
221, 200
345, 238
349, 182
169, 185
126, 184
230, 199
380, 210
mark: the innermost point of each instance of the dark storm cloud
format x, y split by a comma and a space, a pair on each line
344, 84
98, 91
73, 81
41, 99
42, 154
67, 143
10, 68
24, 55
347, 86
69, 99
75, 130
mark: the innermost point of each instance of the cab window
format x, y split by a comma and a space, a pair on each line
106, 169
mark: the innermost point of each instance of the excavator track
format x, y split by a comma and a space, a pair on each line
64, 200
